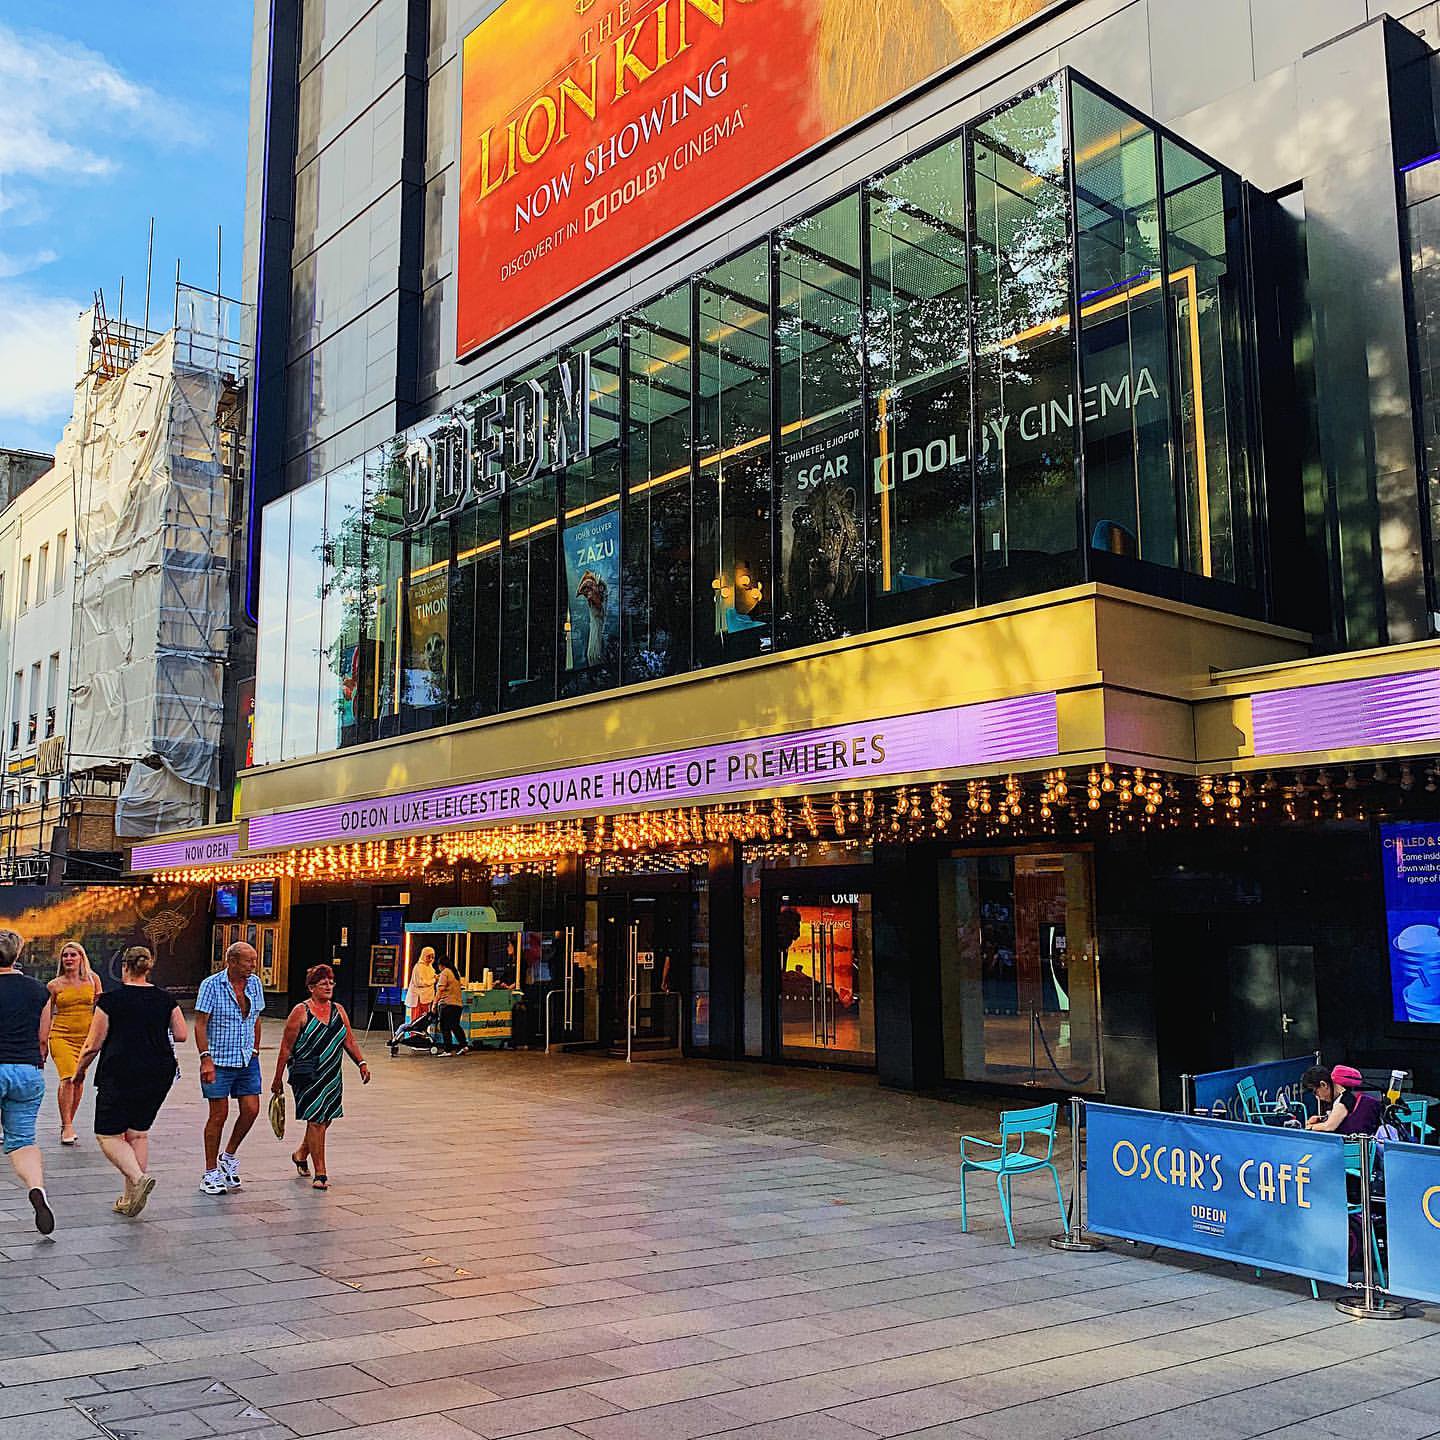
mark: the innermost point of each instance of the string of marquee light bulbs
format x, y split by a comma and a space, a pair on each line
1056, 804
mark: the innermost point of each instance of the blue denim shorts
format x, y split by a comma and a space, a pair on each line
231, 1082
22, 1088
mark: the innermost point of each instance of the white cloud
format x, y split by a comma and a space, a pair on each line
37, 356
67, 108
12, 265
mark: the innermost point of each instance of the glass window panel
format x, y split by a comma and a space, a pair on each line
1202, 232
1019, 984
531, 571
1124, 368
270, 637
590, 537
385, 481
733, 585
817, 331
1025, 449
657, 584
477, 610
917, 344
426, 665
342, 619
302, 630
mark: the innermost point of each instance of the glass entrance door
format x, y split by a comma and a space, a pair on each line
1019, 975
644, 943
823, 957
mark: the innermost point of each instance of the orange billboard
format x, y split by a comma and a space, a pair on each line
591, 128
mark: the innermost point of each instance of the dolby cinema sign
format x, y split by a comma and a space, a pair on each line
504, 438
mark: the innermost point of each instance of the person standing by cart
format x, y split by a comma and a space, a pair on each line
317, 1034
450, 998
420, 992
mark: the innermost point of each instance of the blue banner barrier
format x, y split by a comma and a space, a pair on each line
1272, 1078
1412, 1219
1256, 1194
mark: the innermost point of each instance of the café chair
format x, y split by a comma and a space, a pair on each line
1011, 1157
1252, 1108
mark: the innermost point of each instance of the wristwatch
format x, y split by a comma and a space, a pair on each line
205, 1055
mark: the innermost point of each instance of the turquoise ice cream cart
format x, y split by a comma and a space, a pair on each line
486, 955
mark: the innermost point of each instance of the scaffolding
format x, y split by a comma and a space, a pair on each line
153, 450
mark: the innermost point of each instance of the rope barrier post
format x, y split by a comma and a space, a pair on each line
1369, 1303
1075, 1238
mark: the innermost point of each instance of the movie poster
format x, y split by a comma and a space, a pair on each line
592, 583
592, 128
427, 653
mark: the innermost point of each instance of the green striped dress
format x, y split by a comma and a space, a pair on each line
315, 1068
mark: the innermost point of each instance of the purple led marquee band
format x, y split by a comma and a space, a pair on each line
1383, 710
993, 732
173, 854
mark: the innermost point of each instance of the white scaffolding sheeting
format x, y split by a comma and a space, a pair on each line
152, 591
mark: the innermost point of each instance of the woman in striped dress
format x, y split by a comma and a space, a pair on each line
316, 1035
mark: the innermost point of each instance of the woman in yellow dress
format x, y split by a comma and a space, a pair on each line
72, 1004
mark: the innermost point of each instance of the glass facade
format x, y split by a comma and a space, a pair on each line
1017, 360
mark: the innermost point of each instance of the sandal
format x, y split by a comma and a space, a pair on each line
70, 1140
302, 1165
320, 1182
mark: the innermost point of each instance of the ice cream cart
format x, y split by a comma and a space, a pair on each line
486, 954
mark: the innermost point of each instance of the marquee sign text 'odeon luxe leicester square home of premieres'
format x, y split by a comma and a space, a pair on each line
989, 733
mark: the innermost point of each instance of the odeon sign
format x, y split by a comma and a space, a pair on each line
502, 438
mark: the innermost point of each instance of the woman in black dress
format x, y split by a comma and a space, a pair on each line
134, 1033
317, 1035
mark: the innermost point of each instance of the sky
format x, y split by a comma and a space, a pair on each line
111, 111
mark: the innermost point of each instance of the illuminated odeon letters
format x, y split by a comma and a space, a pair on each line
500, 439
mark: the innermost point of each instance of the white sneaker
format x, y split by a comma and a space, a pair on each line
230, 1171
212, 1182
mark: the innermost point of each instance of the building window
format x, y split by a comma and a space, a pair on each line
821, 481
17, 707
733, 585
33, 727
1027, 471
657, 584
62, 562
42, 572
25, 568
52, 693
917, 345
590, 613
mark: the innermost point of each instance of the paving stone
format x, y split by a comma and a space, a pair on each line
525, 1413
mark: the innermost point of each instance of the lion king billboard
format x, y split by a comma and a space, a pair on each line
591, 128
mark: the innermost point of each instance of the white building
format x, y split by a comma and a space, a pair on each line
37, 567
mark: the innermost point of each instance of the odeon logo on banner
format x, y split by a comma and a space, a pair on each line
1412, 1220
1264, 1196
993, 732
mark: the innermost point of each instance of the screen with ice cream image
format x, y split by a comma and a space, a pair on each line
1411, 868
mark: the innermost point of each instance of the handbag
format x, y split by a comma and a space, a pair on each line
277, 1115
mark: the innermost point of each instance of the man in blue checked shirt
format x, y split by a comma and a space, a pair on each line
228, 1012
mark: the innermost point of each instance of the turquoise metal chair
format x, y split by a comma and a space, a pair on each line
1412, 1114
1010, 1157
1353, 1207
1252, 1108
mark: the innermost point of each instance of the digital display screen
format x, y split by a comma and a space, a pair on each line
227, 902
262, 900
1410, 865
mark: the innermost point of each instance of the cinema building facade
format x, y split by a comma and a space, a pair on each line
932, 573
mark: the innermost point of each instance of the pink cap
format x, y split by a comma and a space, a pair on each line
1348, 1076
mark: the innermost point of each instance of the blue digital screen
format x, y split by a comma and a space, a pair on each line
262, 900
1410, 866
227, 902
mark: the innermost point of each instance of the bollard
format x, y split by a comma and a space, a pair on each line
1187, 1094
1075, 1238
1369, 1303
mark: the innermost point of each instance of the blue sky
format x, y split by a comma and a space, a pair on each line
110, 111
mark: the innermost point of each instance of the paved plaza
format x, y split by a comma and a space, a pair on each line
569, 1247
